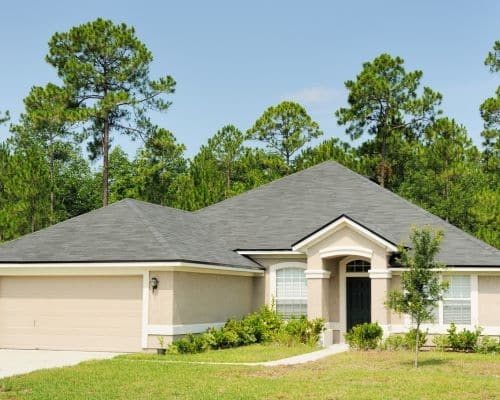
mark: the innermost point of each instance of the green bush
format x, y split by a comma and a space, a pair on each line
411, 338
488, 345
404, 342
365, 336
299, 330
463, 341
394, 343
263, 326
441, 342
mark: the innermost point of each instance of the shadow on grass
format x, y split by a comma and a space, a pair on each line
428, 362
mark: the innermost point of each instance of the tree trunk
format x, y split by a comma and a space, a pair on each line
52, 183
383, 156
105, 171
417, 339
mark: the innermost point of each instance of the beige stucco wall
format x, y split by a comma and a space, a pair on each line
346, 238
161, 300
489, 300
395, 285
206, 298
98, 313
334, 281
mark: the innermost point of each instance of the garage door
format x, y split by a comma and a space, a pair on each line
71, 313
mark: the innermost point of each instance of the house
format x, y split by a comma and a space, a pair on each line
320, 242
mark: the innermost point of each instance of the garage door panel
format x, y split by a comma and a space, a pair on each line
104, 313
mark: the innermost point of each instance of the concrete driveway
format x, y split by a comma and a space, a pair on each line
14, 362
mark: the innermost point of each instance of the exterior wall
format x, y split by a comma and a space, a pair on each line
396, 284
346, 238
207, 298
162, 299
489, 301
379, 313
334, 310
190, 302
97, 313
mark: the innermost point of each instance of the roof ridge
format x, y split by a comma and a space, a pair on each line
142, 218
261, 187
147, 203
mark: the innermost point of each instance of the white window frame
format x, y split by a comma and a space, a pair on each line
273, 281
439, 326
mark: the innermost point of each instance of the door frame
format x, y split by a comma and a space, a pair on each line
343, 289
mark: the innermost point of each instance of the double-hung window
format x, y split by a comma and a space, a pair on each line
291, 292
457, 300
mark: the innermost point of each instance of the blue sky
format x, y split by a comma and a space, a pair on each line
233, 59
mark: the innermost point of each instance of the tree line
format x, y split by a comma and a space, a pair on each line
105, 89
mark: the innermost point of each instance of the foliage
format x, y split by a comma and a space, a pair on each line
412, 336
394, 343
490, 113
157, 166
384, 101
488, 345
364, 336
264, 326
465, 340
105, 67
285, 128
441, 342
405, 341
421, 288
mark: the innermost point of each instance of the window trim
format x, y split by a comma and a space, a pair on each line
273, 278
474, 310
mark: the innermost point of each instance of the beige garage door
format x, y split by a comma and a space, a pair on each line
71, 313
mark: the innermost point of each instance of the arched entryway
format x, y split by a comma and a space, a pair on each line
358, 292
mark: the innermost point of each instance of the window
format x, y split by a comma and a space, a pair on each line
457, 300
291, 292
358, 266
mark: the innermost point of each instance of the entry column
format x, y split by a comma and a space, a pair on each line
380, 286
318, 299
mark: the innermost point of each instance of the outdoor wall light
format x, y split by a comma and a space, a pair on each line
154, 283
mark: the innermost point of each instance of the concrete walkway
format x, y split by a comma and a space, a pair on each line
14, 362
308, 357
300, 359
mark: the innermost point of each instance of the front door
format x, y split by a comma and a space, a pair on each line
358, 291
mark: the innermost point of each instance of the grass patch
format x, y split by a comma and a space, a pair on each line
251, 353
352, 375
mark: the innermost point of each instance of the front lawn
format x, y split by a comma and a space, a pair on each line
352, 375
251, 353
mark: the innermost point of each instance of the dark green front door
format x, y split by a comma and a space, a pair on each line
358, 301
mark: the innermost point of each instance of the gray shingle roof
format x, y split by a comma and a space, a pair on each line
128, 230
273, 216
276, 215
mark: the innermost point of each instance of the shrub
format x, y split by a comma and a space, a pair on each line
259, 327
411, 338
441, 342
394, 343
488, 345
463, 341
365, 336
300, 330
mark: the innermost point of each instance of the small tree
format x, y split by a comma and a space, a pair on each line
421, 288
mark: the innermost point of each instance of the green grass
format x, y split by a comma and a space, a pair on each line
252, 353
352, 375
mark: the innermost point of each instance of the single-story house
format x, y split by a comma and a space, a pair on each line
319, 242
